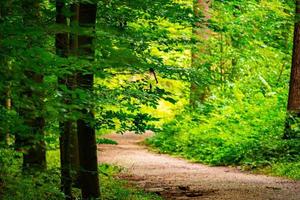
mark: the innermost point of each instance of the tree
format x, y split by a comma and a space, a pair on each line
32, 139
293, 106
44, 88
200, 31
65, 139
5, 99
89, 180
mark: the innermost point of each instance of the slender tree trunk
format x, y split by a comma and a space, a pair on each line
3, 70
64, 141
74, 155
200, 31
293, 107
62, 49
3, 130
89, 179
8, 106
35, 155
74, 148
5, 91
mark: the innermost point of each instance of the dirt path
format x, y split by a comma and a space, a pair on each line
175, 178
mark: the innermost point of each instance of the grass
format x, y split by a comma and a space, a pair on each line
116, 189
46, 185
283, 169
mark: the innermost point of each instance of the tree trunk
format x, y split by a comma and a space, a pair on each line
71, 85
6, 73
3, 77
5, 100
62, 49
199, 93
89, 179
65, 162
293, 107
35, 155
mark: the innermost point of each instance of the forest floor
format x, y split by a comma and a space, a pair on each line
176, 178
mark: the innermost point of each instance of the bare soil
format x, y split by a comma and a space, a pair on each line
175, 178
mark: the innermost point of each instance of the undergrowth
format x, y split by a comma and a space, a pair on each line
45, 185
242, 131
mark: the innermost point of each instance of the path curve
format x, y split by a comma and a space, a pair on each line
175, 178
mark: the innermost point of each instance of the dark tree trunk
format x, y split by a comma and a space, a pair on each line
62, 49
64, 142
5, 71
74, 155
34, 157
89, 179
294, 92
33, 141
74, 148
3, 78
293, 107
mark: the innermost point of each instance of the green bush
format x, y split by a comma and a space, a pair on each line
105, 141
46, 185
246, 132
115, 189
288, 169
16, 186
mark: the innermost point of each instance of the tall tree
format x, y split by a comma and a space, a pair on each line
66, 130
200, 32
32, 140
71, 85
89, 179
5, 100
293, 106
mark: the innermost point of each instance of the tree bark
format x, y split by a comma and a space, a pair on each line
6, 104
33, 142
62, 49
6, 73
293, 107
74, 148
89, 179
294, 91
3, 76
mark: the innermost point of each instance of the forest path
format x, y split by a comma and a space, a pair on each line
175, 178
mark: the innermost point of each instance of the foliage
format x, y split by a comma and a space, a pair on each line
16, 185
105, 141
241, 122
242, 63
123, 45
45, 185
32, 68
287, 169
115, 189
234, 135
